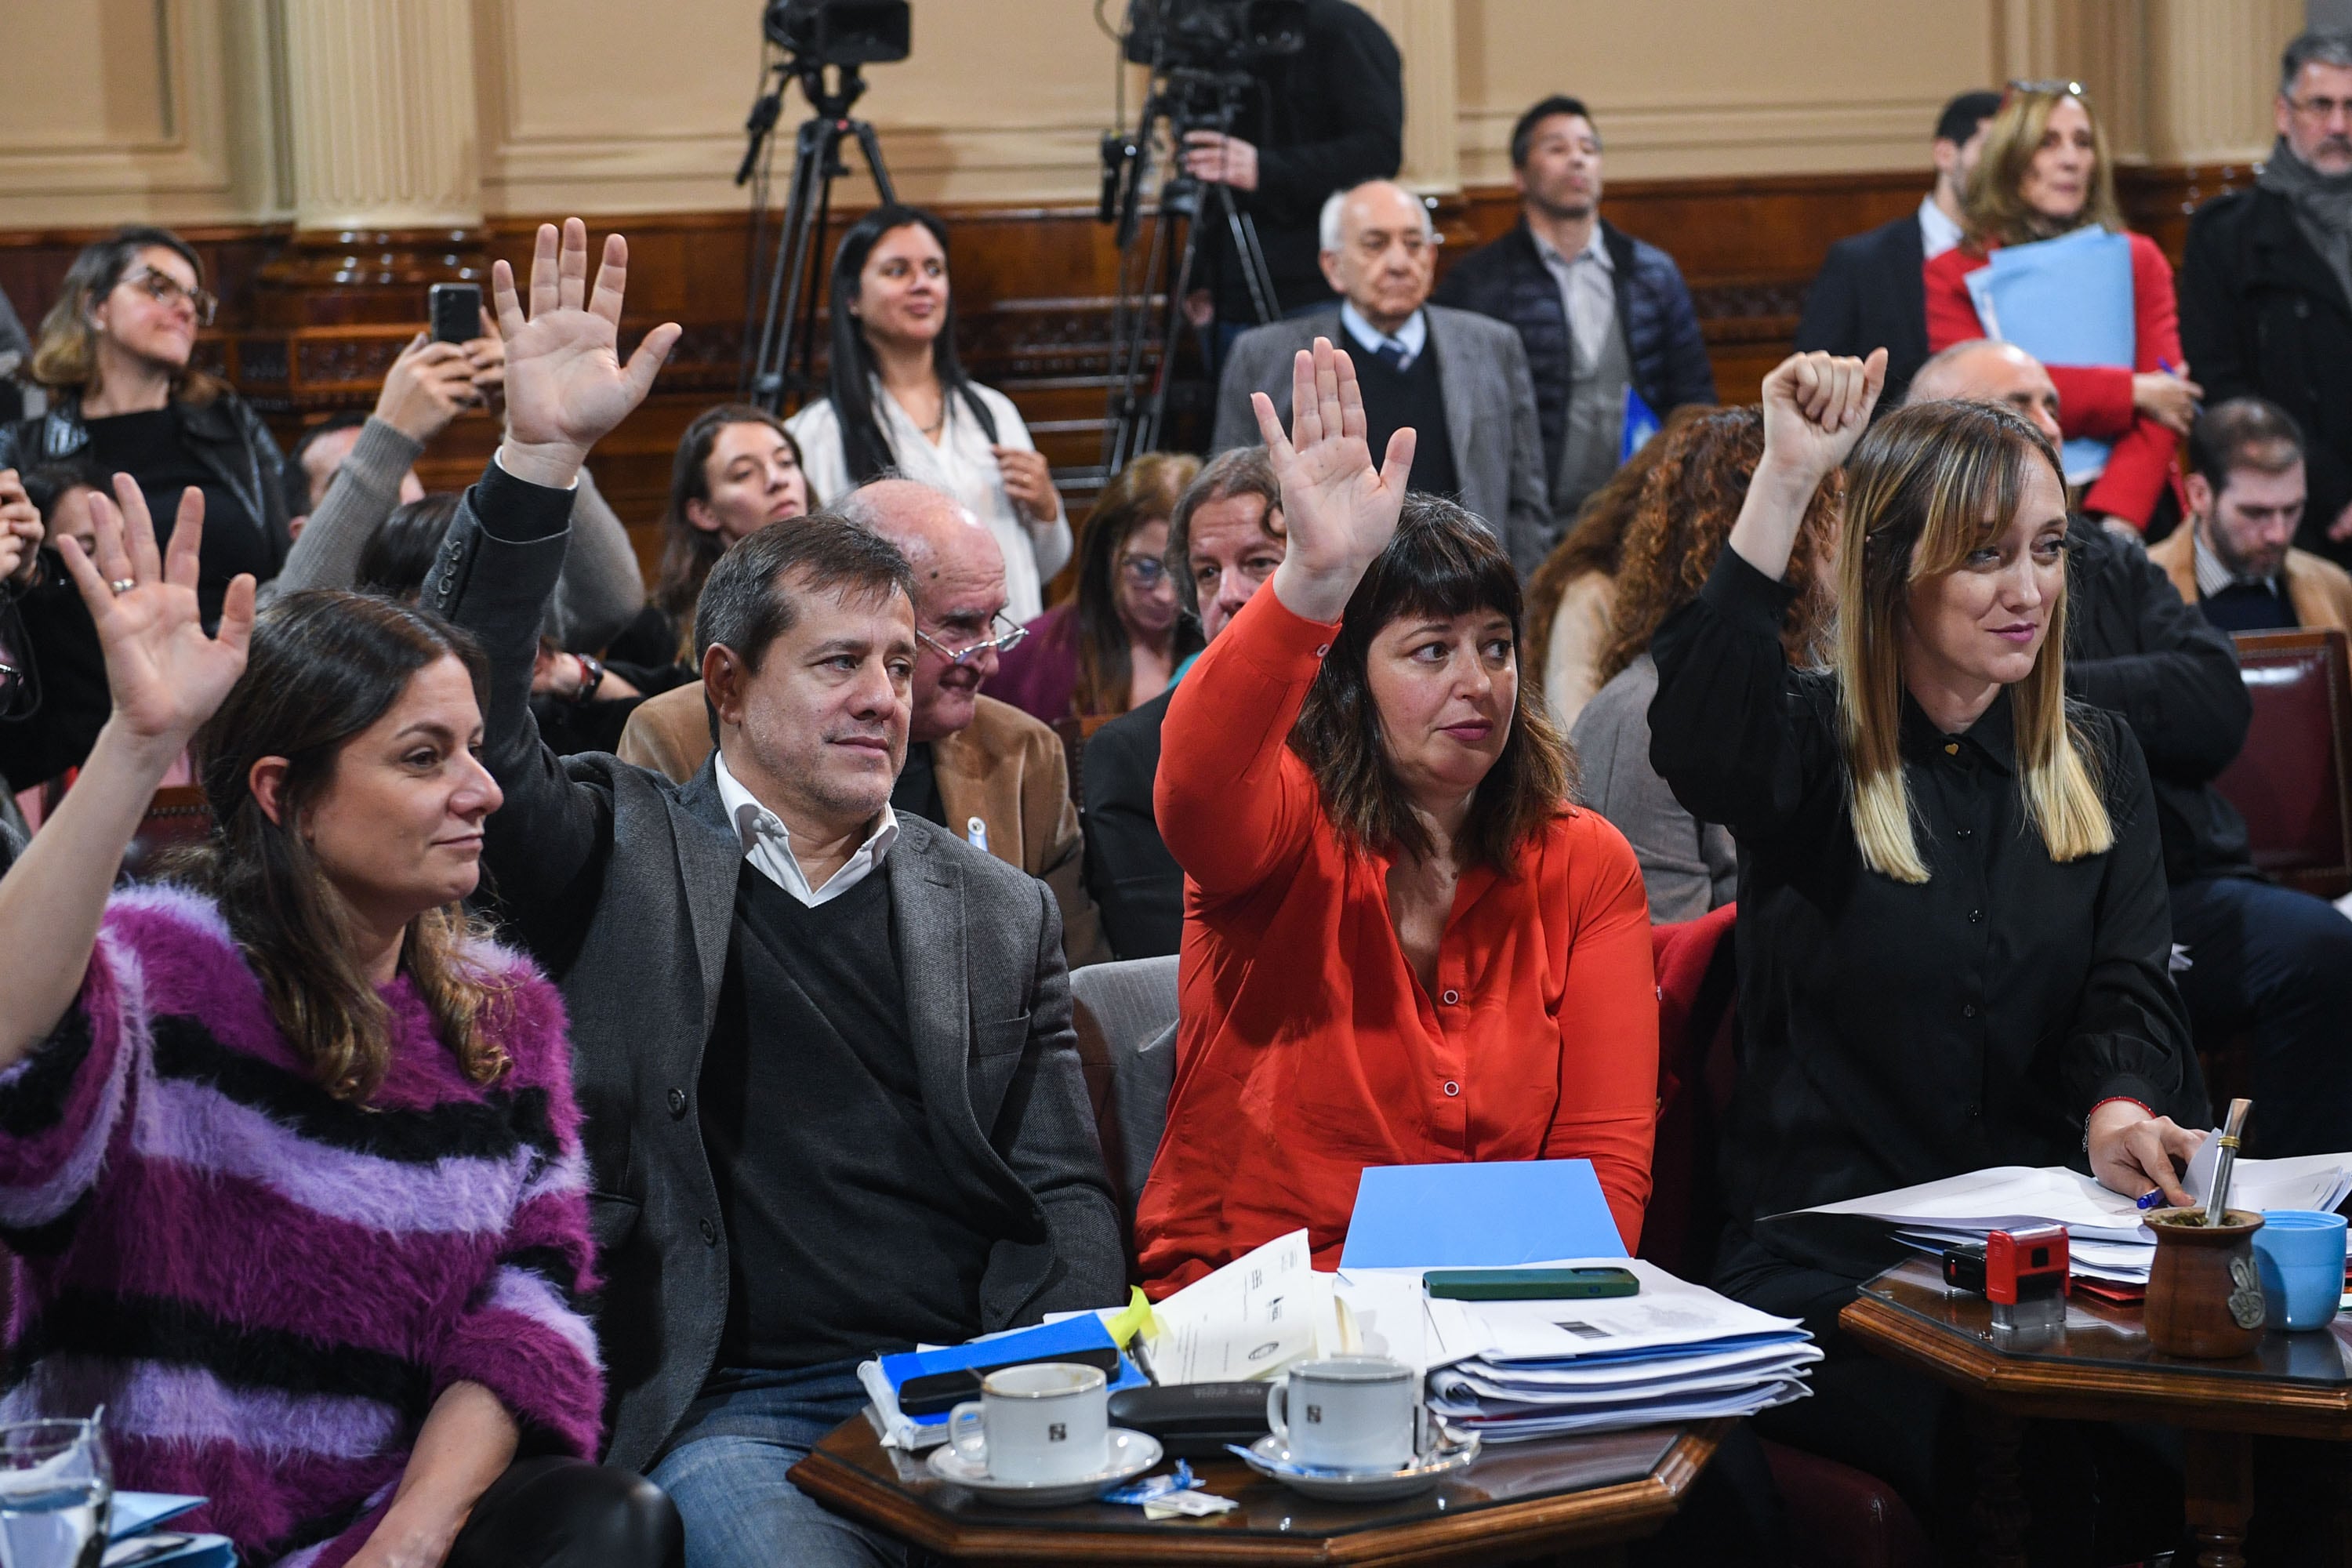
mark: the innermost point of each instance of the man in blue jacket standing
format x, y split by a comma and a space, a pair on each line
1601, 314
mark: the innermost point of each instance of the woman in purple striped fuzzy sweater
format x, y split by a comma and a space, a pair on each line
289, 1161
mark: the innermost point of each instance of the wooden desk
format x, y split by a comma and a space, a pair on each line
2099, 1366
1576, 1496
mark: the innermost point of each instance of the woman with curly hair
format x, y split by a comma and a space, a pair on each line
1570, 594
1686, 505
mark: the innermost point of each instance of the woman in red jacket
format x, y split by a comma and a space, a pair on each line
2045, 172
1402, 944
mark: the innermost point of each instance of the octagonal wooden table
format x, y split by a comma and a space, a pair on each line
2099, 1365
1573, 1498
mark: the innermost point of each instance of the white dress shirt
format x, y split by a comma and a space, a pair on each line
960, 464
1410, 338
768, 844
1937, 232
1588, 291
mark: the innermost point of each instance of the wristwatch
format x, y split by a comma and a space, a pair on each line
592, 675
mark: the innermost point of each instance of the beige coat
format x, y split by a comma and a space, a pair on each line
1004, 767
2320, 590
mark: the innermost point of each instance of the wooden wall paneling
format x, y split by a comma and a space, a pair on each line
1034, 292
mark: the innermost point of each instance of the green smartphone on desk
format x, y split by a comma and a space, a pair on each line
1529, 1284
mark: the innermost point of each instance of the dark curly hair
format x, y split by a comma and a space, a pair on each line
1593, 541
1688, 503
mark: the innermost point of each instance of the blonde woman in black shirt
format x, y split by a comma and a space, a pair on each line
1953, 925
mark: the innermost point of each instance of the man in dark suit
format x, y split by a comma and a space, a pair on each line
1600, 313
1869, 294
2266, 282
832, 1097
1457, 378
1224, 538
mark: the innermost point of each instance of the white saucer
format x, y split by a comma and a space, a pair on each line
1131, 1454
1454, 1453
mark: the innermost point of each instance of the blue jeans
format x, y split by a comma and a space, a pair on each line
725, 1469
2277, 963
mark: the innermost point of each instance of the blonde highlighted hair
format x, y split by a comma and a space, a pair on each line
1928, 485
1995, 208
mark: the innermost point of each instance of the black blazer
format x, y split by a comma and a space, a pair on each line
1134, 881
1870, 294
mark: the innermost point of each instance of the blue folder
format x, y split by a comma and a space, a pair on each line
2065, 301
1040, 1343
1492, 1215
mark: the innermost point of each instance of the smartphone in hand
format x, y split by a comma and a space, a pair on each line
456, 311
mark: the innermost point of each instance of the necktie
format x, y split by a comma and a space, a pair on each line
1391, 354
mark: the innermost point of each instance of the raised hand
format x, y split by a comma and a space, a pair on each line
565, 385
1816, 407
426, 388
166, 675
1339, 511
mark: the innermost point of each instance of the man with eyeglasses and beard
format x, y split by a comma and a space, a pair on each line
2266, 282
988, 772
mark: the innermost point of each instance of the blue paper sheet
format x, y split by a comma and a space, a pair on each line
1493, 1215
133, 1514
2065, 301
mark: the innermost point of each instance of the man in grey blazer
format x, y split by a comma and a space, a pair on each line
832, 1093
1459, 379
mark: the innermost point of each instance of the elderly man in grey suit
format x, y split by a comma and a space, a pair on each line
832, 1096
1459, 379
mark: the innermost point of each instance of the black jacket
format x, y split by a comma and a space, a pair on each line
2262, 315
225, 435
43, 734
1326, 118
622, 885
1870, 295
1507, 280
2135, 649
1133, 879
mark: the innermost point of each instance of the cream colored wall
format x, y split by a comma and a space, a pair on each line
179, 110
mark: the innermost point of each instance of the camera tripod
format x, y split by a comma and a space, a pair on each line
1162, 266
783, 342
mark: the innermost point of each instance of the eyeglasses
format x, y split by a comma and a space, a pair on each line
1146, 572
1005, 643
2322, 109
167, 290
2048, 84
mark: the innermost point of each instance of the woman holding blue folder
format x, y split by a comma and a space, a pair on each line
2045, 173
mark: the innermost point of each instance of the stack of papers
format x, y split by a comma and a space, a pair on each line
133, 1535
2108, 1238
1675, 1351
883, 1377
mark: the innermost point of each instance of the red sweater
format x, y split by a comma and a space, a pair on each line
1309, 1049
2092, 400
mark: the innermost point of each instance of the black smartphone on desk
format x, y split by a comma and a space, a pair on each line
936, 1392
1529, 1284
456, 311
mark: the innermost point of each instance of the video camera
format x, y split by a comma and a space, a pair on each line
840, 32
1212, 34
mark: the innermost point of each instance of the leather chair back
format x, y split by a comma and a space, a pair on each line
1125, 1014
2292, 782
1074, 733
176, 816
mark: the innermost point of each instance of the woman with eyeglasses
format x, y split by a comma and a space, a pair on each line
898, 400
2045, 172
1119, 642
115, 354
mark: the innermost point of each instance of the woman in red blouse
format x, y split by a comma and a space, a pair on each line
2045, 172
1402, 944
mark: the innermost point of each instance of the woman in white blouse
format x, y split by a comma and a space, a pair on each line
900, 400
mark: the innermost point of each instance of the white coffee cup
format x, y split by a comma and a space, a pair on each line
1348, 1412
1049, 1421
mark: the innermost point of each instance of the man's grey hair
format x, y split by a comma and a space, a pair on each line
1327, 225
2325, 45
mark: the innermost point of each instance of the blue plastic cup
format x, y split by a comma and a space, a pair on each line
2300, 1253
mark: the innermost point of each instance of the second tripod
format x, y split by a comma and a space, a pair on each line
783, 343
